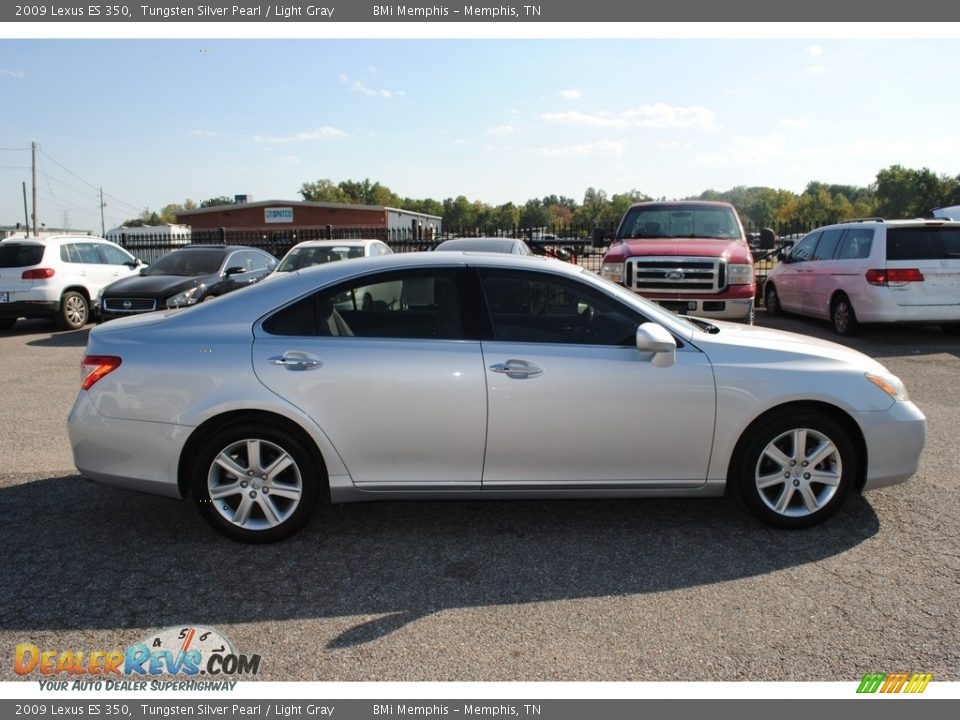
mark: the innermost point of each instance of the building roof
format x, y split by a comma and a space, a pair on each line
299, 203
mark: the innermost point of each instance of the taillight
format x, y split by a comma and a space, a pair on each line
894, 276
37, 274
94, 367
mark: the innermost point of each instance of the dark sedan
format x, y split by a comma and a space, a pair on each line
185, 277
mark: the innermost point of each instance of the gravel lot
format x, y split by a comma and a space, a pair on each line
563, 590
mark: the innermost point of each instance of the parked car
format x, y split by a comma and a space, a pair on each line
689, 256
58, 277
264, 402
510, 246
317, 252
185, 277
872, 271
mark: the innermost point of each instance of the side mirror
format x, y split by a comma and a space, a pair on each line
657, 339
783, 257
768, 239
599, 237
234, 271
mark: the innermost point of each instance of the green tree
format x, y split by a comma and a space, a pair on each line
216, 201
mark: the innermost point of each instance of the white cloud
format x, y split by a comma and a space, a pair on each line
203, 133
289, 159
794, 123
570, 94
343, 78
602, 147
502, 130
318, 134
12, 73
672, 144
816, 70
657, 115
386, 94
815, 51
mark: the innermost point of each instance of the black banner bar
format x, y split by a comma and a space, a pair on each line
530, 11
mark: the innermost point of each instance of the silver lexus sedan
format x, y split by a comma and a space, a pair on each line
488, 376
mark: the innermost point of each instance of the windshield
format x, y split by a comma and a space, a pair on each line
188, 263
301, 257
680, 221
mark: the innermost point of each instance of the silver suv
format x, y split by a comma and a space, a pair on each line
872, 271
58, 277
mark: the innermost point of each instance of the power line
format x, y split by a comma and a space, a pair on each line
87, 182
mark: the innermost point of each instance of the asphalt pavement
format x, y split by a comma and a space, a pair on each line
532, 590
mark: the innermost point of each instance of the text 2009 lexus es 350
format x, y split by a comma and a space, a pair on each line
476, 376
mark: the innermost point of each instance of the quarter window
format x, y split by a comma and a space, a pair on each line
114, 255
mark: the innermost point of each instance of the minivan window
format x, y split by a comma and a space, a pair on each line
13, 255
828, 244
923, 243
856, 244
803, 250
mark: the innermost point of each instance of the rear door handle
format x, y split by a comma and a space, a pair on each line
516, 369
295, 363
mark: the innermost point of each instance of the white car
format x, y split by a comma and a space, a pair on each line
510, 377
318, 252
872, 271
58, 277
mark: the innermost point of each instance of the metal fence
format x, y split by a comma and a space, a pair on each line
583, 245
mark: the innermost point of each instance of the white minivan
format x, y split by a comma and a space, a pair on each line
872, 271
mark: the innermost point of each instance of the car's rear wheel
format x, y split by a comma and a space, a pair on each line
796, 469
771, 301
74, 311
255, 484
843, 317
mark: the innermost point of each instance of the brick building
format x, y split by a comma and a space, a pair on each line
278, 215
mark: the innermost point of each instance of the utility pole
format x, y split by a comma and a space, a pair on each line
26, 215
33, 150
103, 227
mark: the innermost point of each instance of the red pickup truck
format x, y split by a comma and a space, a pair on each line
690, 256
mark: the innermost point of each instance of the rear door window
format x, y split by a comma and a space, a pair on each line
855, 244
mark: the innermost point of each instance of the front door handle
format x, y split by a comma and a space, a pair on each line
294, 363
516, 369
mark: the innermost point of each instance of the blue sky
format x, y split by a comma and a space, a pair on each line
155, 121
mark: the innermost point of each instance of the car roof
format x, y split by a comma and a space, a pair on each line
354, 242
30, 240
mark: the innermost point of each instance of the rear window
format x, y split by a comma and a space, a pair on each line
923, 243
13, 255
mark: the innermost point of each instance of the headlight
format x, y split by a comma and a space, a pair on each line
612, 272
739, 274
890, 384
187, 297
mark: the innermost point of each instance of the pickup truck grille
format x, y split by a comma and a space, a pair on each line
130, 305
675, 274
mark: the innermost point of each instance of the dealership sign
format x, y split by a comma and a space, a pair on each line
278, 215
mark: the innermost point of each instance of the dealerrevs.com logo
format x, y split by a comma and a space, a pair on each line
190, 651
911, 683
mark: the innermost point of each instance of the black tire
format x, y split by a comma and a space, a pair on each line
275, 507
771, 479
843, 317
951, 330
7, 323
74, 311
771, 301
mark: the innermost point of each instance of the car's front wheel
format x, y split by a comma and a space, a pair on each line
795, 469
74, 311
255, 484
7, 323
